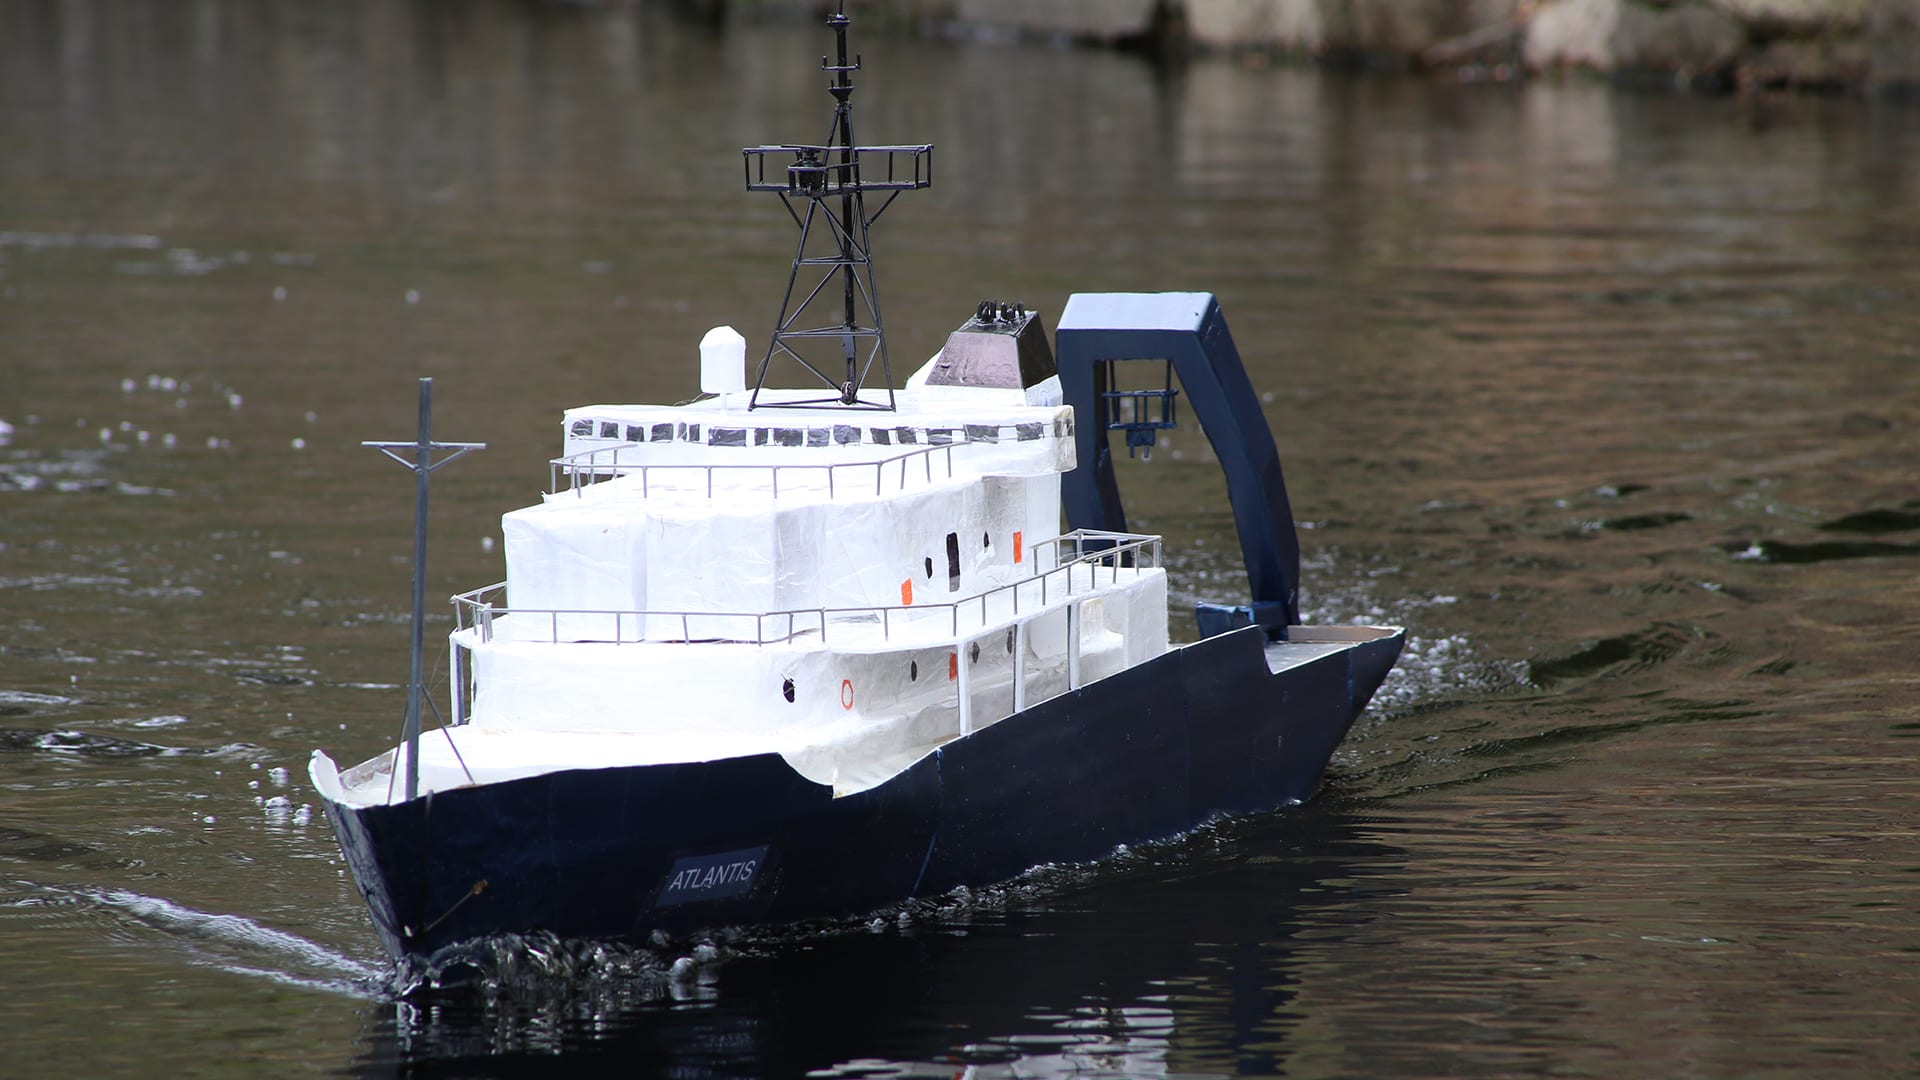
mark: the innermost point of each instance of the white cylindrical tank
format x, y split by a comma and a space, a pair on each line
723, 361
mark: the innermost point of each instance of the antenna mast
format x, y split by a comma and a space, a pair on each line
828, 181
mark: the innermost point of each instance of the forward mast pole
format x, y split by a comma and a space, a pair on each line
422, 466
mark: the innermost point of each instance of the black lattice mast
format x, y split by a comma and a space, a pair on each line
822, 176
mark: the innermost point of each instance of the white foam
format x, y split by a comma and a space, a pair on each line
348, 975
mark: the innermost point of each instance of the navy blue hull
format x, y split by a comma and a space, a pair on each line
1205, 730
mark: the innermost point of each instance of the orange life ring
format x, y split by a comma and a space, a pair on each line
846, 693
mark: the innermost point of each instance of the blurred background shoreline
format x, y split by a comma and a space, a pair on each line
1845, 46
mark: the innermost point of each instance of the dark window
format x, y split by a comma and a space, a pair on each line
953, 562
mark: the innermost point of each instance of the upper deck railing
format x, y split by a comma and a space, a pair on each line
1083, 549
589, 467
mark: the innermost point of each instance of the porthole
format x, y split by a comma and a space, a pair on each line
913, 671
1010, 631
786, 689
973, 652
986, 541
929, 566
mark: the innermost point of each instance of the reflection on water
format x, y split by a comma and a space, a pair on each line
1607, 396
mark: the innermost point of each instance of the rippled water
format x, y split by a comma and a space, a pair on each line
1609, 397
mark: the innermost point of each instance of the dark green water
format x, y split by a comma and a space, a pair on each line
1609, 397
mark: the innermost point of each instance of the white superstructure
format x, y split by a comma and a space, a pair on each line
848, 588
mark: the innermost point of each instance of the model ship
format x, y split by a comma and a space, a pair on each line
790, 653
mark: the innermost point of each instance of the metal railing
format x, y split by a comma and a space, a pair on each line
589, 467
1083, 549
